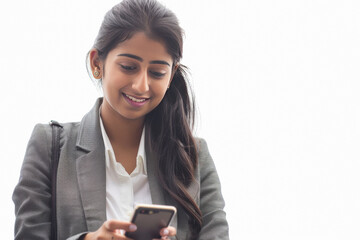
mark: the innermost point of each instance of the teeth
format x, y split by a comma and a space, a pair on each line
135, 99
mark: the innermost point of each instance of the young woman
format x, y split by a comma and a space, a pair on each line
134, 146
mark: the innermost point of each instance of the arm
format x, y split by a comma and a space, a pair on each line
212, 203
32, 194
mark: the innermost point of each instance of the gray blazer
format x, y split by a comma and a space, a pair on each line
81, 196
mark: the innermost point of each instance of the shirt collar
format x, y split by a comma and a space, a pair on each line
141, 151
140, 157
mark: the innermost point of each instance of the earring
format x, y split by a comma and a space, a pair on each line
96, 73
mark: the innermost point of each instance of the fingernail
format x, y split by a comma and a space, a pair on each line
132, 227
166, 232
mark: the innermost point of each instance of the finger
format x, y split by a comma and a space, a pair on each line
112, 225
168, 231
119, 235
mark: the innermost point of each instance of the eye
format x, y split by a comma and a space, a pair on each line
157, 74
128, 68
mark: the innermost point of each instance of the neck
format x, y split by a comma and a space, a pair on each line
121, 131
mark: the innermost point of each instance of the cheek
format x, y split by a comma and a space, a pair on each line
160, 89
115, 81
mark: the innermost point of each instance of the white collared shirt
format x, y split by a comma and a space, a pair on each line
123, 191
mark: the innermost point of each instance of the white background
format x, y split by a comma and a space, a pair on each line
278, 93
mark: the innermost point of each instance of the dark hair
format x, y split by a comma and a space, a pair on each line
169, 124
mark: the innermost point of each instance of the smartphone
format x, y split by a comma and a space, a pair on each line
150, 219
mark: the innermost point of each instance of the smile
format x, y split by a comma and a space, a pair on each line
135, 102
139, 100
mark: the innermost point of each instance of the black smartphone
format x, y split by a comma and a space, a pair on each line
150, 219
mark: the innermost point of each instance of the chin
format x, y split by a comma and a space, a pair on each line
132, 116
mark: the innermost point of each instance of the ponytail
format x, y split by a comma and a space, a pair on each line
170, 125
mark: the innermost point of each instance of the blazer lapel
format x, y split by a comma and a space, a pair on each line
90, 166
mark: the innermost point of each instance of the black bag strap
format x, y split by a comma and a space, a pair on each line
55, 154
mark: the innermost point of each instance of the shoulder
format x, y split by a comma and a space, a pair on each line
41, 136
42, 132
206, 165
203, 151
202, 147
45, 128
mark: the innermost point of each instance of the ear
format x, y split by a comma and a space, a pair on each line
175, 68
95, 63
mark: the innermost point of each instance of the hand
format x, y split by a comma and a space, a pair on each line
111, 230
167, 232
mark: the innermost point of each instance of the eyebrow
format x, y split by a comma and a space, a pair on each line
141, 60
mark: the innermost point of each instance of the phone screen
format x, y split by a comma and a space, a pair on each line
149, 222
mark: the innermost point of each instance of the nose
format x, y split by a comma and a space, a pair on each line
140, 83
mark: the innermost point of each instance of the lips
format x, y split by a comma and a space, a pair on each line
139, 100
135, 101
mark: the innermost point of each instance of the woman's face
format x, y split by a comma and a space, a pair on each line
137, 75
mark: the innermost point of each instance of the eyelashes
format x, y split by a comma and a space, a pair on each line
133, 68
128, 68
157, 74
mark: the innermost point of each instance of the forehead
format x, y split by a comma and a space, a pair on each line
143, 46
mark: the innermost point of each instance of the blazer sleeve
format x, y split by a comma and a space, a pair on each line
32, 194
215, 226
